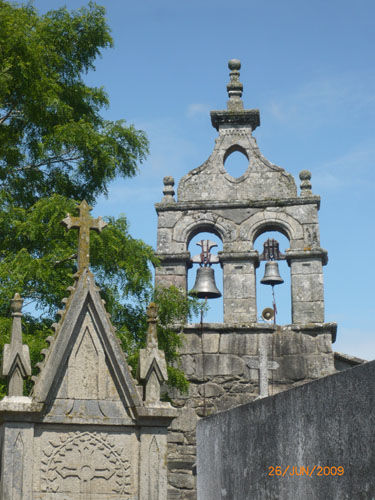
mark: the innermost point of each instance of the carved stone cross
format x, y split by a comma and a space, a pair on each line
263, 365
86, 470
84, 223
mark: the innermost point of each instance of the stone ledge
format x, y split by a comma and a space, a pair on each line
214, 205
153, 415
250, 255
312, 329
308, 253
20, 404
174, 258
245, 117
351, 360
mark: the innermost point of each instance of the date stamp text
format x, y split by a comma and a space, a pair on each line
316, 470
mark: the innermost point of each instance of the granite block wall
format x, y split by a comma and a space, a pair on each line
328, 424
215, 360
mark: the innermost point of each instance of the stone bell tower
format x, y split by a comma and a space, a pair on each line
240, 359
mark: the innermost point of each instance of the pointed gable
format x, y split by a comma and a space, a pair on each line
85, 362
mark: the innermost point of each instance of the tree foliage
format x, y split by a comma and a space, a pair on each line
56, 149
53, 138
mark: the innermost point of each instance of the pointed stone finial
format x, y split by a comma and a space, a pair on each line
16, 356
235, 116
305, 176
84, 223
152, 368
152, 319
234, 87
168, 190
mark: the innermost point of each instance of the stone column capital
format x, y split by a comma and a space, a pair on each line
174, 258
249, 256
308, 254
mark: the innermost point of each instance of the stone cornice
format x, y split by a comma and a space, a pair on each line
307, 253
215, 205
174, 258
249, 117
312, 329
251, 255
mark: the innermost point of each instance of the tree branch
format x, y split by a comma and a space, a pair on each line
49, 161
6, 116
58, 262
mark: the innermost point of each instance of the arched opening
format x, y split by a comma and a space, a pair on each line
282, 291
215, 306
236, 161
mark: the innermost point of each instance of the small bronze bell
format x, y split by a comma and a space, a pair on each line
271, 274
205, 286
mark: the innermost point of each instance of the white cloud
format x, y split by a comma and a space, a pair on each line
325, 98
354, 168
197, 109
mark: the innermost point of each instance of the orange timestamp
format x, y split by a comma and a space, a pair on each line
317, 470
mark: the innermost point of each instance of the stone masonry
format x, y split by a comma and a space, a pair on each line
87, 431
223, 361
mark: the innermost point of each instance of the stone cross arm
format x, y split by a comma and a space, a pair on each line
255, 363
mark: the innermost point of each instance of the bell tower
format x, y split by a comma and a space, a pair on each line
244, 357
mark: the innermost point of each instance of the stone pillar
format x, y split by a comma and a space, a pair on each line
153, 464
172, 270
17, 461
239, 280
307, 287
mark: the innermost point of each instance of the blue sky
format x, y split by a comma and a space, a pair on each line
309, 68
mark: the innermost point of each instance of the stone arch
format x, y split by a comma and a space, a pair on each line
187, 227
266, 220
235, 148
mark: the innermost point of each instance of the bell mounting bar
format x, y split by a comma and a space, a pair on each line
271, 251
205, 258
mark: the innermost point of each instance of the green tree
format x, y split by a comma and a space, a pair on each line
53, 138
57, 149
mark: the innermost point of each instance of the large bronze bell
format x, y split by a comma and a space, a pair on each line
271, 274
205, 286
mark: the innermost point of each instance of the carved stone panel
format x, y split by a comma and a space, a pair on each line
16, 458
153, 454
80, 463
87, 375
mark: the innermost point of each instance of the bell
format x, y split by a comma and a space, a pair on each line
205, 285
271, 274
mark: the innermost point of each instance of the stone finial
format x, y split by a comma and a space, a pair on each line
168, 190
305, 176
16, 304
234, 87
84, 223
16, 356
152, 319
152, 367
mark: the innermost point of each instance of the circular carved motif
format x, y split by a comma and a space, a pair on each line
75, 460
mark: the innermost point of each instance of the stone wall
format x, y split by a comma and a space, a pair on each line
215, 359
328, 422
